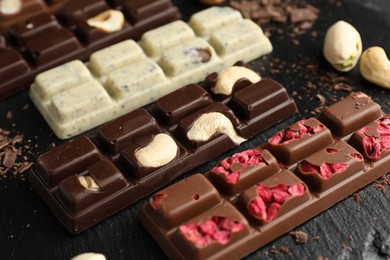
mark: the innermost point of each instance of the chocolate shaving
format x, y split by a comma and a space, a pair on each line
9, 158
300, 237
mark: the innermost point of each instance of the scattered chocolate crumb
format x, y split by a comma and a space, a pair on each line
350, 238
274, 250
285, 250
13, 155
346, 247
356, 197
299, 236
299, 15
316, 238
26, 106
322, 258
10, 115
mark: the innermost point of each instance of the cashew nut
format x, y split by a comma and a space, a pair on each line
89, 256
159, 152
375, 66
209, 124
9, 7
343, 46
229, 76
89, 183
108, 21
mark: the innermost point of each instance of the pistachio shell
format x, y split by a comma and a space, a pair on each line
375, 66
342, 46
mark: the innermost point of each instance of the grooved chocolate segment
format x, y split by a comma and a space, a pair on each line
322, 171
292, 144
144, 164
49, 33
71, 158
350, 114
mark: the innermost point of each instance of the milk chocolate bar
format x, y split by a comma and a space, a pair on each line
257, 195
85, 180
40, 35
76, 97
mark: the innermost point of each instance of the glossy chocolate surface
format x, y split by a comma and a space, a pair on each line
312, 169
117, 142
46, 34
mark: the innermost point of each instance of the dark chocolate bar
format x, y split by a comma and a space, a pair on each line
250, 199
42, 35
146, 149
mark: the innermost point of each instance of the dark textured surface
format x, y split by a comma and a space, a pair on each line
348, 230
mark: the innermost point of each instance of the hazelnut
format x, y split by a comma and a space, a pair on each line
108, 21
229, 76
375, 66
342, 46
159, 152
89, 183
211, 123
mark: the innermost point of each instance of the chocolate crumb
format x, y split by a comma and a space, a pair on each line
299, 236
356, 197
316, 238
350, 238
285, 250
274, 250
10, 115
346, 247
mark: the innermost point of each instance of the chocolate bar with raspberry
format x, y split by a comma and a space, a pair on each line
259, 194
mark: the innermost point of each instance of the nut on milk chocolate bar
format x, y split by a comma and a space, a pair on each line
255, 196
76, 97
37, 35
86, 180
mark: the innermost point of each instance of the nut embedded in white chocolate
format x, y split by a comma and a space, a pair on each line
159, 152
108, 21
211, 123
89, 183
229, 76
342, 46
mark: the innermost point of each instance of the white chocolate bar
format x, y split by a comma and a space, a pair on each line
76, 97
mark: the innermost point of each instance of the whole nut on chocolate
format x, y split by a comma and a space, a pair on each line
210, 124
159, 152
375, 66
229, 76
342, 46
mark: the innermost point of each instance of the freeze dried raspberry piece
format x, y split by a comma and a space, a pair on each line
267, 204
292, 133
325, 170
157, 198
218, 229
376, 144
245, 159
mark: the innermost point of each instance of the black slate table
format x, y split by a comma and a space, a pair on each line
348, 230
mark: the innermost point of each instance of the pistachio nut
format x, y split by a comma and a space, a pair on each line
375, 66
342, 46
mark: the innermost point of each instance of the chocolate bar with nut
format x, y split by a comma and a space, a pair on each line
39, 35
255, 196
85, 180
76, 97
